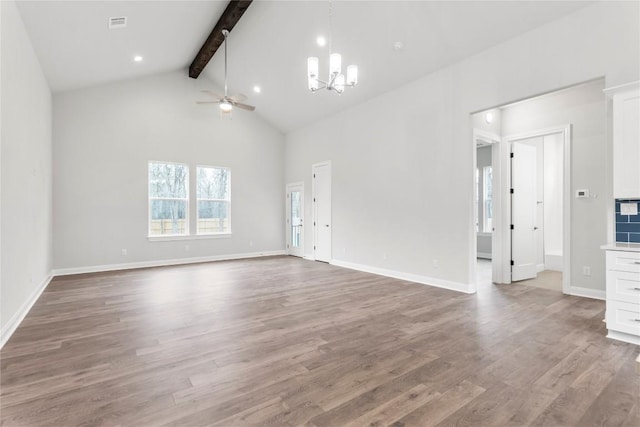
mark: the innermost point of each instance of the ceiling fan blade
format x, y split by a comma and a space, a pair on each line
243, 106
238, 97
207, 102
215, 95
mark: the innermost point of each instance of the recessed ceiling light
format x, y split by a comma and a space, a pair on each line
398, 46
138, 58
321, 41
488, 118
257, 89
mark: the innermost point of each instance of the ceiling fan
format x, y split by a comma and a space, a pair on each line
227, 102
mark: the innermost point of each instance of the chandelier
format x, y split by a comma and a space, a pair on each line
336, 80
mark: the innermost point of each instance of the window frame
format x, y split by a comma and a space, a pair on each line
228, 201
186, 200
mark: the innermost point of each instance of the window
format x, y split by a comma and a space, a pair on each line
168, 199
213, 187
487, 213
478, 192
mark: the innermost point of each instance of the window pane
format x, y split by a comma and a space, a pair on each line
478, 191
213, 183
487, 183
488, 202
296, 221
168, 217
167, 180
213, 217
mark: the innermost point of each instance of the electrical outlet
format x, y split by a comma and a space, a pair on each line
435, 263
251, 243
384, 255
124, 252
344, 250
186, 248
628, 209
586, 270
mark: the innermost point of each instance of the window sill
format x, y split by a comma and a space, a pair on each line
189, 237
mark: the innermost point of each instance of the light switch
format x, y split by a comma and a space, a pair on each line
628, 209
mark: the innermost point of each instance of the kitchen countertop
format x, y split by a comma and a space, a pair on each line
618, 246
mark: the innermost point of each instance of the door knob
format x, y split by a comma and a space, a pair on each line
535, 228
326, 225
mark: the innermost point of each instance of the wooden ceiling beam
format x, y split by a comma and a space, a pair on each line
230, 17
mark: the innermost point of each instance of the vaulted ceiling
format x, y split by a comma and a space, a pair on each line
270, 44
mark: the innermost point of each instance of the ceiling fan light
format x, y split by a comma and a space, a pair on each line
312, 67
335, 63
226, 106
352, 75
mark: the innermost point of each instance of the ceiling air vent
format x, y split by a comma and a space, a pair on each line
117, 22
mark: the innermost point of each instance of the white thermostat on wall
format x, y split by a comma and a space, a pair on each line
582, 194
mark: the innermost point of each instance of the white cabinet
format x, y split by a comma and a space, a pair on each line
626, 140
623, 295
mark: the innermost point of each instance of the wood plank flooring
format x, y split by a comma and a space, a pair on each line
281, 341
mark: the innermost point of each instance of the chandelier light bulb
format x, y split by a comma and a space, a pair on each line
335, 63
352, 75
340, 83
312, 67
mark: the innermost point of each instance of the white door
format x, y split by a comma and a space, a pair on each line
523, 212
295, 215
322, 211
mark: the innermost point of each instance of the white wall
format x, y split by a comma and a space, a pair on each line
26, 172
103, 138
584, 108
403, 162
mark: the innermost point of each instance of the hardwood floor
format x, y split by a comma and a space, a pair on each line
281, 341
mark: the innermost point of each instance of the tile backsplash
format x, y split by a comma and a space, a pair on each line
627, 226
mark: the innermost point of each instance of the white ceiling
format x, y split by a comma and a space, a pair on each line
76, 48
270, 44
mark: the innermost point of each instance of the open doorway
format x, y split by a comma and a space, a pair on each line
537, 206
537, 236
486, 156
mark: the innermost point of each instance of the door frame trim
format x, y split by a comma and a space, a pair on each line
287, 214
565, 130
314, 210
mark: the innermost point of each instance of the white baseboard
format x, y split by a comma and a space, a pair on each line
453, 286
553, 262
309, 257
161, 263
10, 327
484, 255
621, 336
587, 293
539, 267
